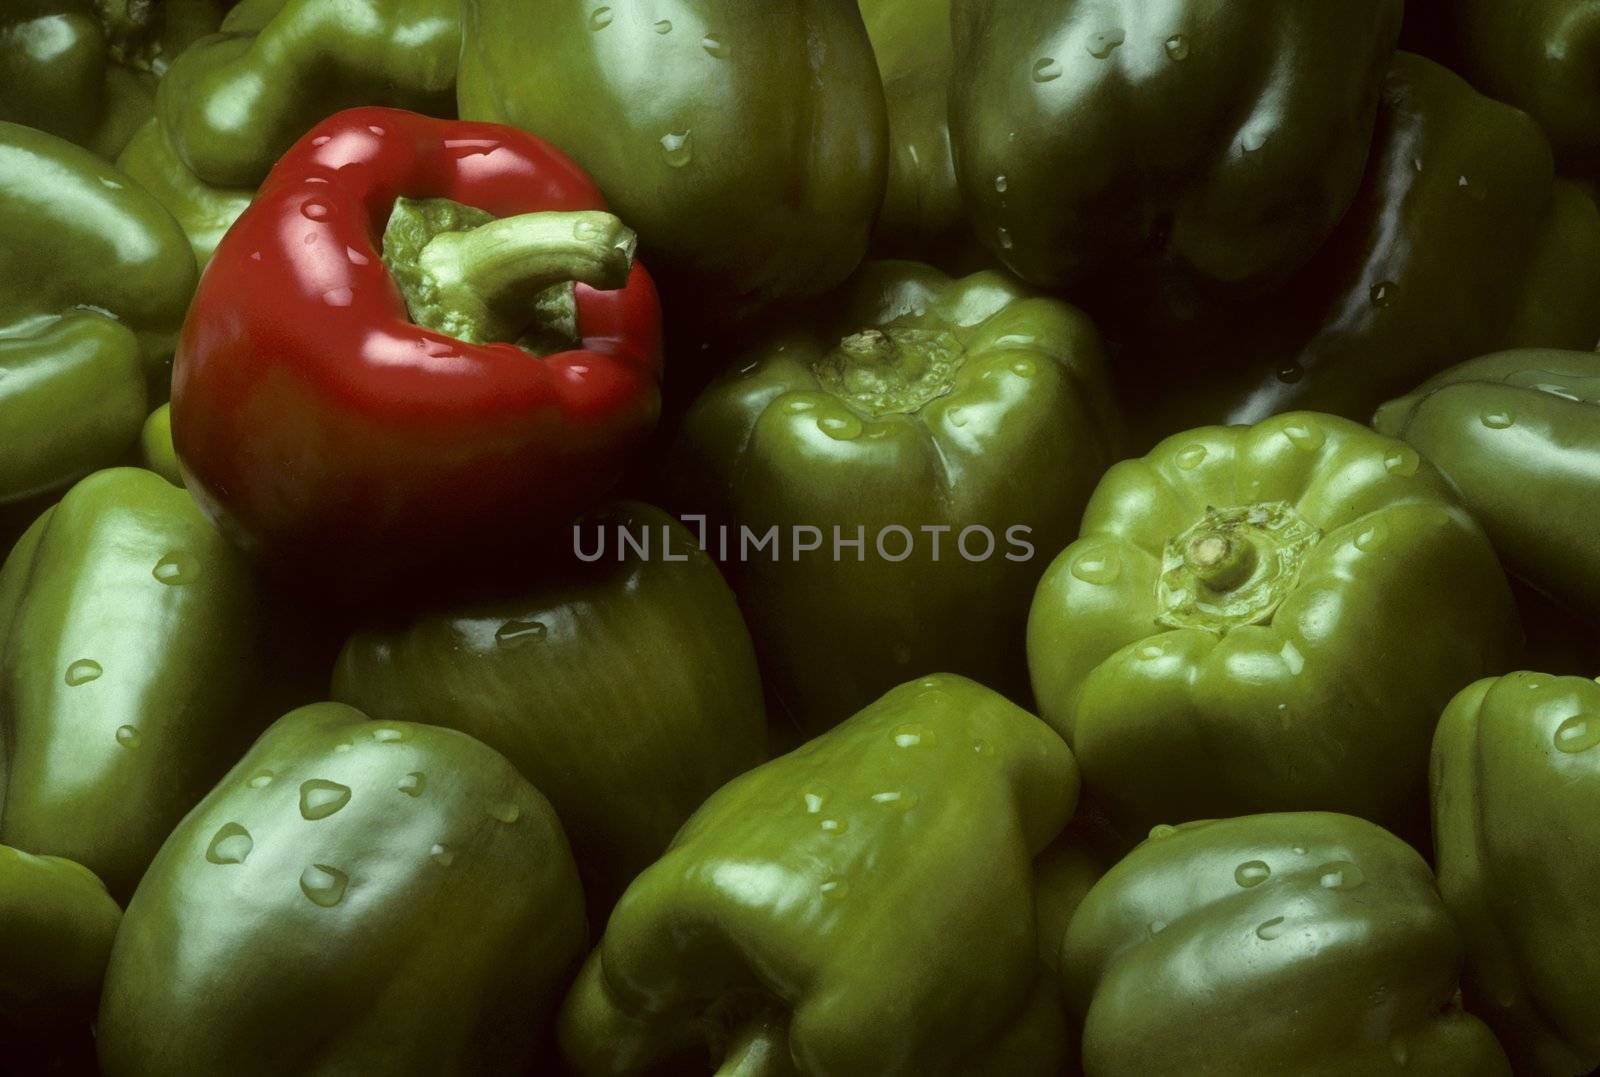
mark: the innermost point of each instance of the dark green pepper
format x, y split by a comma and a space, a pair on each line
235, 101
1266, 618
354, 897
279, 66
922, 210
627, 691
1458, 244
1303, 943
95, 278
863, 905
204, 212
1518, 435
1516, 776
1160, 145
1063, 875
744, 142
1538, 55
86, 70
131, 663
950, 428
56, 927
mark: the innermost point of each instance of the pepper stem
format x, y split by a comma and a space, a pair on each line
758, 1049
1220, 561
1233, 567
124, 18
483, 285
874, 347
895, 370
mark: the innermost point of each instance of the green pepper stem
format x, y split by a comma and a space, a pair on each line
124, 18
895, 370
868, 346
874, 347
487, 278
758, 1049
1220, 561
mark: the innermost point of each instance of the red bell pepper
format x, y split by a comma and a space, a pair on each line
321, 426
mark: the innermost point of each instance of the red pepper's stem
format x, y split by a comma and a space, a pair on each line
758, 1049
484, 282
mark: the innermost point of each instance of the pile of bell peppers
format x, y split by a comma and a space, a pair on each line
812, 537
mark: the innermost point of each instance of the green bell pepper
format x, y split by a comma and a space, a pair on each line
1304, 943
354, 897
1516, 773
56, 927
1458, 244
95, 278
205, 213
1518, 435
1063, 875
922, 210
156, 452
86, 70
1152, 146
627, 692
130, 636
235, 101
1538, 55
744, 142
1265, 618
931, 419
861, 905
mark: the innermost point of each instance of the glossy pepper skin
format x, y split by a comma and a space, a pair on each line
354, 897
745, 142
1457, 245
1300, 943
56, 927
204, 212
804, 915
237, 100
86, 70
1518, 435
1237, 628
908, 401
1538, 55
94, 280
1515, 774
130, 640
326, 430
1161, 145
625, 689
922, 210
